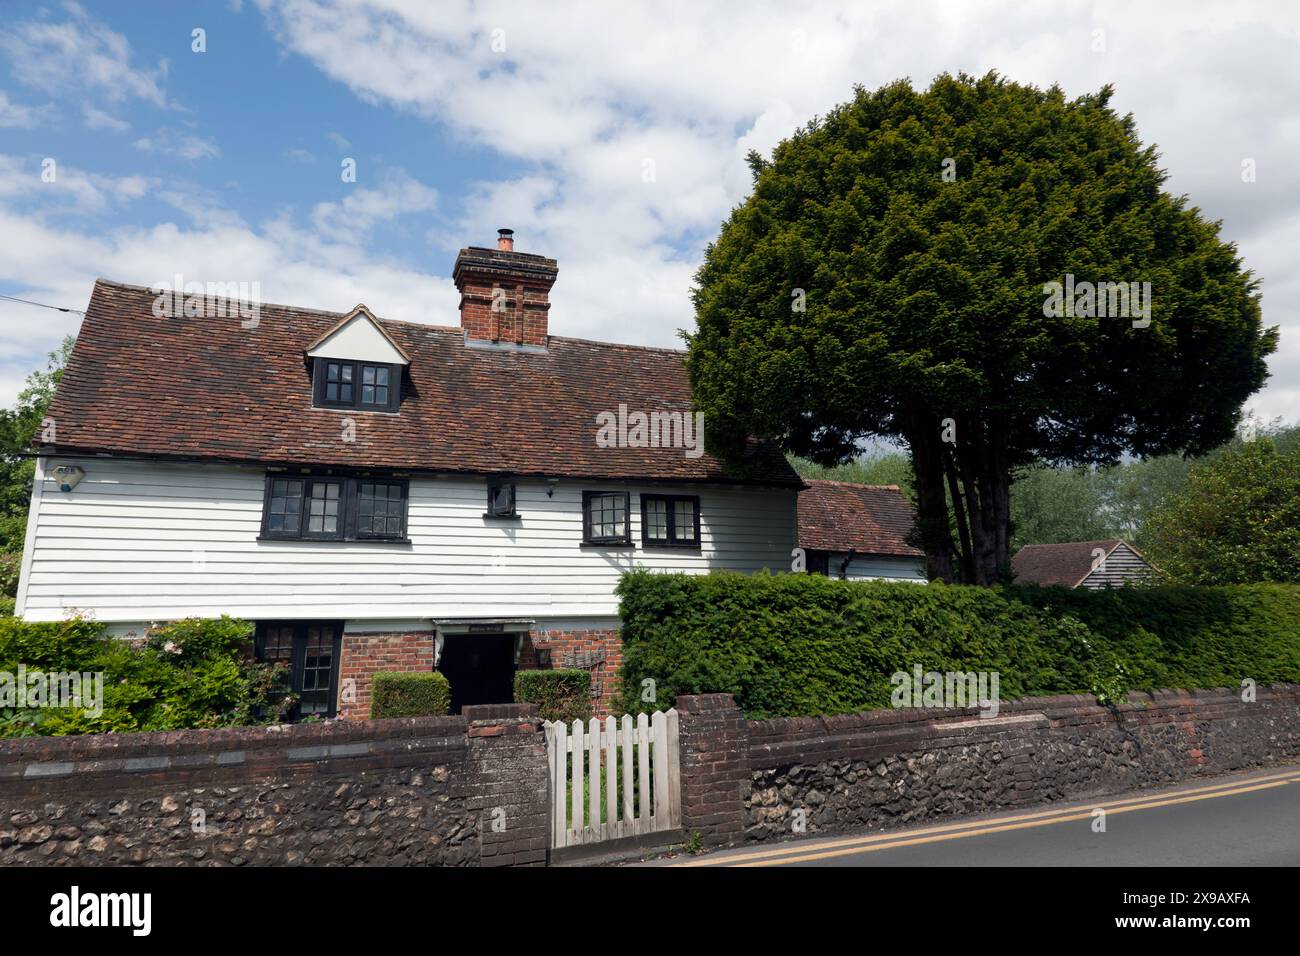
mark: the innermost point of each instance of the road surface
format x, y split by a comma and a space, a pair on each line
1249, 819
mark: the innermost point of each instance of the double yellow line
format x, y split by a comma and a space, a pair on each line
850, 846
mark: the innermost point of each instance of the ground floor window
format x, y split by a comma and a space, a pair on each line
310, 650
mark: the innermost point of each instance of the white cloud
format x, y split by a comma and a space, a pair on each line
350, 219
78, 57
16, 115
99, 119
187, 146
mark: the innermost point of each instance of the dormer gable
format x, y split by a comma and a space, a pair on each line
357, 365
361, 337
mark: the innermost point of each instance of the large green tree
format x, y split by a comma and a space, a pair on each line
18, 426
887, 277
1237, 521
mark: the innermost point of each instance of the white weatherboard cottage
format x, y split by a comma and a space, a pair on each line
380, 495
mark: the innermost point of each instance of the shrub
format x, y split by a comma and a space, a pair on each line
790, 645
420, 694
563, 695
192, 673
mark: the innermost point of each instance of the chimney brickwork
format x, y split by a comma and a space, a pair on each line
505, 296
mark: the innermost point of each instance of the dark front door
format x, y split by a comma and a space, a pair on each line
480, 668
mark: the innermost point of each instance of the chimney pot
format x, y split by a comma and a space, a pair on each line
506, 240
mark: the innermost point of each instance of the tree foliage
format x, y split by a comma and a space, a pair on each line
859, 292
18, 426
1237, 520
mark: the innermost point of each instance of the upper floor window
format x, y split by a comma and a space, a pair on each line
501, 499
605, 517
334, 508
366, 386
670, 521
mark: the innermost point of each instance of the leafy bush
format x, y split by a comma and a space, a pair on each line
190, 673
563, 695
1237, 521
6, 606
790, 645
420, 694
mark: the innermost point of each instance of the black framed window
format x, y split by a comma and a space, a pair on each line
367, 386
501, 499
670, 521
283, 516
605, 517
310, 649
381, 509
819, 562
335, 508
324, 508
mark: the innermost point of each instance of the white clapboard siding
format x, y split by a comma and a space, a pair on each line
146, 541
874, 569
611, 779
1122, 566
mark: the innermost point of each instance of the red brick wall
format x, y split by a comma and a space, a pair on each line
521, 321
599, 651
579, 648
364, 654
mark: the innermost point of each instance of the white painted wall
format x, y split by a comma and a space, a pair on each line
872, 569
141, 541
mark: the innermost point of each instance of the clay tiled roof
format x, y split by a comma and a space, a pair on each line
1064, 564
208, 388
868, 519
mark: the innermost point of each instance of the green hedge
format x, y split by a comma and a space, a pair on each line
419, 694
563, 695
790, 645
190, 673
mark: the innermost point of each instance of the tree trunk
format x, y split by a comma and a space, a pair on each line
931, 503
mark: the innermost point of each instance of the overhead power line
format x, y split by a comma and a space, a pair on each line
57, 308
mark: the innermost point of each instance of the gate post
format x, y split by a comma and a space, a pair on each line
714, 766
508, 783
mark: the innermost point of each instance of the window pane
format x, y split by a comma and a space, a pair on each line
331, 392
368, 375
684, 516
368, 394
656, 519
282, 514
608, 516
381, 376
345, 392
379, 509
347, 373
323, 508
381, 394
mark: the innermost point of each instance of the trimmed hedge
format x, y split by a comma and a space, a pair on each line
795, 645
563, 695
419, 694
189, 673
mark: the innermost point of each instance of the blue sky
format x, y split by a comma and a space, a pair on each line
463, 117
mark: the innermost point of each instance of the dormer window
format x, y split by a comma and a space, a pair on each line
360, 385
357, 365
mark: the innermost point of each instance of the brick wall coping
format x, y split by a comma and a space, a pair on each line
875, 733
293, 741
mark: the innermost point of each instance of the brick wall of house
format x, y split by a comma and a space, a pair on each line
365, 654
599, 651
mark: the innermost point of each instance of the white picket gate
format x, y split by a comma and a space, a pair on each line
628, 795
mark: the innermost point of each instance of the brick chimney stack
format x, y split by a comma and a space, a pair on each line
504, 295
